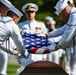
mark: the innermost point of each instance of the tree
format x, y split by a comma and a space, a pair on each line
46, 8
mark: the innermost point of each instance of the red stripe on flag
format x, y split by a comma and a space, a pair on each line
34, 50
46, 51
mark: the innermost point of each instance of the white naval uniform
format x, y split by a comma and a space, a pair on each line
68, 35
3, 61
30, 27
8, 28
68, 31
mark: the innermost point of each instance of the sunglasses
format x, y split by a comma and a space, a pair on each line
27, 12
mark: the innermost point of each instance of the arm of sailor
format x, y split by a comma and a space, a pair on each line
8, 50
15, 51
57, 32
16, 36
70, 31
11, 50
67, 37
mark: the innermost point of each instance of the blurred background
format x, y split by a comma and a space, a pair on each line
46, 8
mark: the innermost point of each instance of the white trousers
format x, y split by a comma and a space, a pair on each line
3, 62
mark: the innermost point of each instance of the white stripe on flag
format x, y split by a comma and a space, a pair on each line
41, 50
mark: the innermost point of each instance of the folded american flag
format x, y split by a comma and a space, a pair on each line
35, 43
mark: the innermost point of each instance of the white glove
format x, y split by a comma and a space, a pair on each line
51, 47
26, 55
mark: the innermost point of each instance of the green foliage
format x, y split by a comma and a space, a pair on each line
12, 69
46, 8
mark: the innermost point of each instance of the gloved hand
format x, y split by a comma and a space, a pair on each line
26, 55
51, 47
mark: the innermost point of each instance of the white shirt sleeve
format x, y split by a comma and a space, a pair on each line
16, 36
57, 32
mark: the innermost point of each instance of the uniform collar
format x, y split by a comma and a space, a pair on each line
73, 10
31, 21
7, 18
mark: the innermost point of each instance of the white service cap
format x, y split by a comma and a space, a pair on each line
52, 22
61, 5
30, 7
16, 11
49, 20
7, 3
71, 1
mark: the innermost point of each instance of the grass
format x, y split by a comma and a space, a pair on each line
11, 70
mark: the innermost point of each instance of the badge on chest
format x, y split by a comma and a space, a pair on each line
38, 30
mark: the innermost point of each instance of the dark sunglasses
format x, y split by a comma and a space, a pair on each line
27, 12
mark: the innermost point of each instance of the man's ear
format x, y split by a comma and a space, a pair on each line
64, 12
14, 17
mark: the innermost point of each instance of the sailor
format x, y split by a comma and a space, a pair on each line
31, 26
4, 7
9, 28
67, 14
